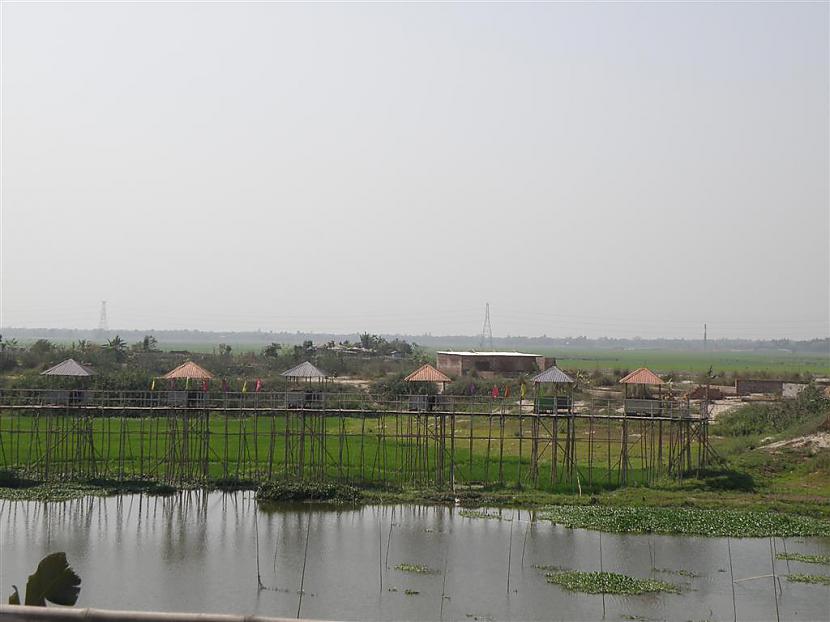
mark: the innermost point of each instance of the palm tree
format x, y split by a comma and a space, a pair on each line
117, 346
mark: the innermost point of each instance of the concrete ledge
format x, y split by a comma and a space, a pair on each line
21, 613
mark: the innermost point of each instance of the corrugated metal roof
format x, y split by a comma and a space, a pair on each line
553, 375
474, 353
189, 369
642, 376
69, 367
427, 373
304, 370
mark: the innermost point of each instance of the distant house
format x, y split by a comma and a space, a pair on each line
702, 392
489, 364
748, 386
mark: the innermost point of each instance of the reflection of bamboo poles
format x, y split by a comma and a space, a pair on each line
601, 569
444, 586
774, 586
732, 580
510, 550
302, 576
389, 537
380, 557
256, 532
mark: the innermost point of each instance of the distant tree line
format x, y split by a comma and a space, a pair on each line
170, 337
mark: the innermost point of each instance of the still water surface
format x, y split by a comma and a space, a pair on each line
197, 551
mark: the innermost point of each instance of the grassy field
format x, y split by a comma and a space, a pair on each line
669, 362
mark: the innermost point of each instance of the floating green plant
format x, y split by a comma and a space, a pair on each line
801, 557
608, 583
411, 592
687, 521
549, 568
416, 568
816, 579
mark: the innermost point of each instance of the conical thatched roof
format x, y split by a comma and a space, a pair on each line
304, 370
69, 367
189, 370
642, 376
553, 375
427, 373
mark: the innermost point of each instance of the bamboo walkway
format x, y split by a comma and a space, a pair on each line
191, 437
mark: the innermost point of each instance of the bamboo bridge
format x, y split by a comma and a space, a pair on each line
441, 441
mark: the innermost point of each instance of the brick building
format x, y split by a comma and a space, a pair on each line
489, 364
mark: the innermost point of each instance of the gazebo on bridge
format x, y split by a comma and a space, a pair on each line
188, 371
427, 375
309, 374
560, 398
638, 395
70, 368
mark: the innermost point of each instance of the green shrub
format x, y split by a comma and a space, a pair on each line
774, 417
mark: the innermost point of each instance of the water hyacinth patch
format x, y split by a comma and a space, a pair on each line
686, 521
807, 559
549, 568
815, 579
608, 583
416, 568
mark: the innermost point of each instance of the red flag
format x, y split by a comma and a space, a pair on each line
205, 385
495, 391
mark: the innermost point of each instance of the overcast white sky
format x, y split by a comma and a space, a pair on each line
598, 169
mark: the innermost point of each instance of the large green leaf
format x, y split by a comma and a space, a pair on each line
54, 581
14, 599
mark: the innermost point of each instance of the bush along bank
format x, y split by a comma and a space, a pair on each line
298, 491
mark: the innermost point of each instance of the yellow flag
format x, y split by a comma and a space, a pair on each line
245, 387
153, 385
524, 390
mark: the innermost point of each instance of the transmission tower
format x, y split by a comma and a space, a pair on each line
103, 326
486, 330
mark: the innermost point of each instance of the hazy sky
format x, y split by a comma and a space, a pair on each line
598, 169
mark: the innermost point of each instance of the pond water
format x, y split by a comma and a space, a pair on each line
197, 551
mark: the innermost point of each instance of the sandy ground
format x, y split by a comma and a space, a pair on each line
354, 382
811, 442
721, 407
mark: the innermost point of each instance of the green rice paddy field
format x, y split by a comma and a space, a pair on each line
661, 361
355, 450
666, 361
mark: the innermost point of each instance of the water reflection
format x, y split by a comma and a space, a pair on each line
196, 551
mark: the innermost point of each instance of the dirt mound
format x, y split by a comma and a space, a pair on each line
812, 443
